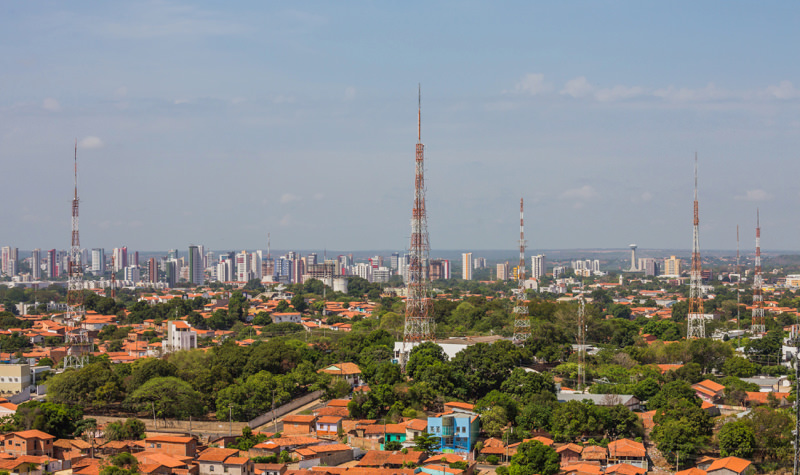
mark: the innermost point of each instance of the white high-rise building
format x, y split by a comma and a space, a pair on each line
255, 266
363, 270
10, 264
243, 270
538, 269
98, 261
225, 270
466, 266
132, 274
36, 264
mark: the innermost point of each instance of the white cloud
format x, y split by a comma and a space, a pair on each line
121, 92
578, 87
646, 196
617, 93
349, 93
285, 221
533, 84
581, 87
288, 198
709, 93
318, 196
586, 192
754, 195
51, 105
784, 90
90, 142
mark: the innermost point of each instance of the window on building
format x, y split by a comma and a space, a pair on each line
211, 469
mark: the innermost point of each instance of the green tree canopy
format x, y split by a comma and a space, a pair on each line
533, 457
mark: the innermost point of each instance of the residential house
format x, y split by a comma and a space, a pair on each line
595, 454
731, 466
582, 469
329, 455
569, 454
270, 468
627, 451
692, 471
170, 445
328, 426
396, 459
394, 433
350, 372
286, 317
624, 469
759, 398
299, 424
216, 461
164, 464
709, 391
28, 442
414, 429
457, 432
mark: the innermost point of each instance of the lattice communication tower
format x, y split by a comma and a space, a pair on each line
76, 336
757, 325
522, 323
696, 319
581, 340
419, 323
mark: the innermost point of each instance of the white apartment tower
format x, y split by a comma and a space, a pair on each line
98, 261
180, 336
537, 266
466, 266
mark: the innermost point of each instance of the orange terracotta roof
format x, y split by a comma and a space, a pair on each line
626, 448
734, 464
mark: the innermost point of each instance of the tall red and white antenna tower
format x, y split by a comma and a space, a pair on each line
696, 319
419, 323
757, 325
522, 324
77, 338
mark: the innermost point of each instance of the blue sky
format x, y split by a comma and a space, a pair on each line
216, 123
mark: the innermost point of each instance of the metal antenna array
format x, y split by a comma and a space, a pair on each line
418, 321
757, 325
581, 339
522, 324
696, 320
76, 336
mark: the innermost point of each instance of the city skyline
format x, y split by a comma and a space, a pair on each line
203, 123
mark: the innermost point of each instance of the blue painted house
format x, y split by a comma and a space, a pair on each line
457, 431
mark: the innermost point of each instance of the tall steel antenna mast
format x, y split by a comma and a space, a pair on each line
76, 336
418, 321
757, 324
522, 324
738, 282
581, 342
696, 319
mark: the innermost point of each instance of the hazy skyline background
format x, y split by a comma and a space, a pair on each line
214, 124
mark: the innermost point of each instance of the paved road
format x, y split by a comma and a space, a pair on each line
270, 427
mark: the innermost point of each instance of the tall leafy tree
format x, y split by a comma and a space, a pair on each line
534, 457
